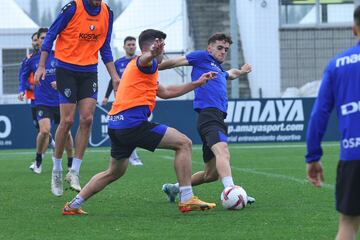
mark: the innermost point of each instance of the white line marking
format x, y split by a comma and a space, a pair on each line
266, 174
197, 147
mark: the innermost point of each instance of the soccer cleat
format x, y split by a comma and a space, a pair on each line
56, 183
31, 167
135, 162
37, 169
250, 200
195, 204
72, 178
67, 210
171, 191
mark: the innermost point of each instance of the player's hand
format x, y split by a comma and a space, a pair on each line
205, 78
39, 74
104, 101
157, 47
53, 85
21, 96
315, 173
246, 68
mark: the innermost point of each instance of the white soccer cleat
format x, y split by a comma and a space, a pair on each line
73, 179
250, 200
135, 162
31, 167
56, 183
37, 169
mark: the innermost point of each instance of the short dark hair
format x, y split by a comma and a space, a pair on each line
148, 36
34, 34
129, 38
357, 16
219, 36
42, 30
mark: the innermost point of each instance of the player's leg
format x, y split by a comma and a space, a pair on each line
69, 148
116, 169
182, 145
120, 153
36, 125
41, 142
348, 227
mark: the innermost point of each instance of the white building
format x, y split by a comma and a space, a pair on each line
16, 29
164, 15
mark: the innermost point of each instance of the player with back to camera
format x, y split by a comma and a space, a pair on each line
340, 89
211, 104
128, 125
120, 65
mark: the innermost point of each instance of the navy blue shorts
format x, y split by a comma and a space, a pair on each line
147, 135
74, 86
53, 113
212, 129
348, 188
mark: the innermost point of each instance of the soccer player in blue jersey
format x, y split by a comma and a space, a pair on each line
211, 103
82, 30
340, 89
46, 102
120, 65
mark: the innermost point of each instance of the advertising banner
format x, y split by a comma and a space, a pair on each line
248, 121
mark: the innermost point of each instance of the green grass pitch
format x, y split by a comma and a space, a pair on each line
134, 207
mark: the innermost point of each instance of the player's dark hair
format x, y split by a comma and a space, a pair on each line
34, 34
357, 16
42, 30
148, 36
129, 38
219, 36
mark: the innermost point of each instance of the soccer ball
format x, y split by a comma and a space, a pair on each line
234, 198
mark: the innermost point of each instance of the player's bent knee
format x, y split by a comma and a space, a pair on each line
185, 143
86, 121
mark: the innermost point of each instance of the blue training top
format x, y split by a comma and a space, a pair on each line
59, 25
214, 93
121, 64
44, 93
340, 88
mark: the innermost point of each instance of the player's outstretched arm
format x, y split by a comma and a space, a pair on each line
173, 63
156, 50
235, 73
179, 90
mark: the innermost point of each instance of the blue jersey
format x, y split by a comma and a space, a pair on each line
45, 94
121, 64
59, 25
340, 88
214, 93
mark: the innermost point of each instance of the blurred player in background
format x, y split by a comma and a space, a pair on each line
82, 29
211, 103
128, 125
120, 65
26, 90
46, 103
340, 89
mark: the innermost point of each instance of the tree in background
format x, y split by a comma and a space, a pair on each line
34, 11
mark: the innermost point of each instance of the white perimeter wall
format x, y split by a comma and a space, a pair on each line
258, 22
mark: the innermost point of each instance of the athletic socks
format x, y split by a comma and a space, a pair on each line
185, 193
56, 164
76, 202
38, 159
227, 181
76, 163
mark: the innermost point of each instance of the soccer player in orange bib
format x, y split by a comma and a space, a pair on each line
82, 29
128, 125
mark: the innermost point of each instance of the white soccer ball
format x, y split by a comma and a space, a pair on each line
234, 198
